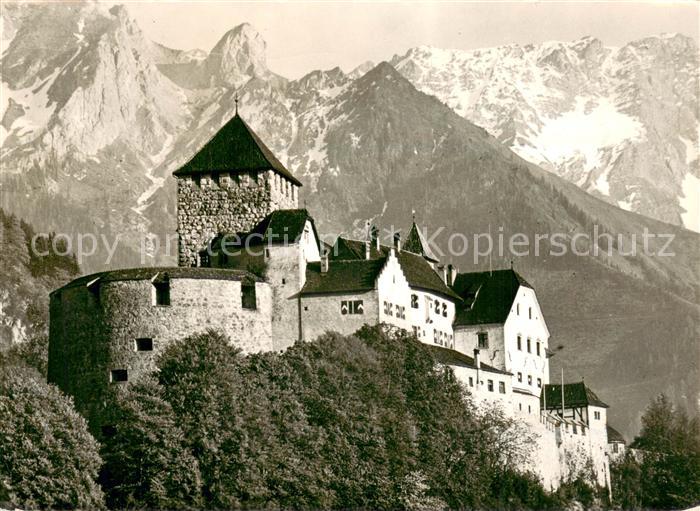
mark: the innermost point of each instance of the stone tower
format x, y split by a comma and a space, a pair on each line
231, 184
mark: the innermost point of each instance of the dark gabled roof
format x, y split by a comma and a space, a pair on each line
283, 226
614, 435
159, 274
346, 249
342, 277
488, 296
234, 148
418, 272
421, 275
575, 395
416, 243
453, 357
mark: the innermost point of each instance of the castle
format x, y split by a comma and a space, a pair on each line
251, 264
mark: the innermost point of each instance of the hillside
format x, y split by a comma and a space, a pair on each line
26, 280
367, 146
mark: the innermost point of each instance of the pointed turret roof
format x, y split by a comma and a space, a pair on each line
416, 243
235, 148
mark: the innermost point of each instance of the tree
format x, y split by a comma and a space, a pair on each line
48, 459
147, 462
666, 472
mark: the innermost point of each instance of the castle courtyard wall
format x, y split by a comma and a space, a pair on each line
321, 314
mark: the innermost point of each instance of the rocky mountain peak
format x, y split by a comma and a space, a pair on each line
238, 56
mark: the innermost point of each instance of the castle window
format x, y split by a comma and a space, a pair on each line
204, 260
118, 376
161, 293
539, 383
520, 377
502, 387
248, 298
520, 406
284, 281
388, 308
444, 309
529, 379
537, 345
529, 312
483, 340
414, 301
416, 331
520, 343
490, 385
573, 426
352, 307
596, 415
401, 312
529, 345
517, 309
471, 381
144, 344
94, 293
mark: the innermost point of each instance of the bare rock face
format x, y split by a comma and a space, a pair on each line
621, 123
237, 57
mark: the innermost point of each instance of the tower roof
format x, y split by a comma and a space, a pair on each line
234, 148
416, 243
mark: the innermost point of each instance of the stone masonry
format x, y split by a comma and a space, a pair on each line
226, 202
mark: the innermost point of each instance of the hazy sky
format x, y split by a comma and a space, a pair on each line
302, 36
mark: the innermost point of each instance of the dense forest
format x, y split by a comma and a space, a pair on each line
364, 421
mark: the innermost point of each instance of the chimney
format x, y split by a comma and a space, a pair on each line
445, 274
324, 263
477, 360
368, 242
397, 241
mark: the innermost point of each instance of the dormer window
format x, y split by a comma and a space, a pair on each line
161, 290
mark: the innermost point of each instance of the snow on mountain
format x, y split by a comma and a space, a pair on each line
607, 119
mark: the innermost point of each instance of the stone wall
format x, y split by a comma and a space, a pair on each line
226, 202
93, 333
322, 314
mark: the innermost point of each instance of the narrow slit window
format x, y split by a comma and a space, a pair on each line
248, 297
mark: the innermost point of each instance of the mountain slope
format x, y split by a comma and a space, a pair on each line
621, 123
